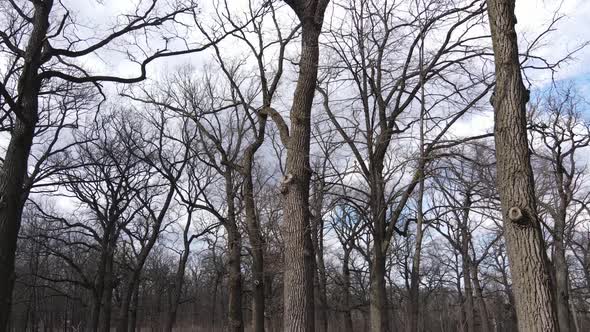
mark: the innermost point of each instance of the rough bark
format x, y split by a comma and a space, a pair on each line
535, 304
14, 166
299, 259
378, 307
234, 240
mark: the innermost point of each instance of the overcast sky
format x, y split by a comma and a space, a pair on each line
533, 17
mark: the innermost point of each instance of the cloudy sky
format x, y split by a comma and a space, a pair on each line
534, 16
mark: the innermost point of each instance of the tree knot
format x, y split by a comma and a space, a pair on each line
287, 179
515, 214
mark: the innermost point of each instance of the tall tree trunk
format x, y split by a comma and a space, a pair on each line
98, 291
481, 305
299, 259
378, 295
560, 268
468, 296
535, 303
346, 285
14, 166
177, 291
234, 242
107, 292
257, 245
133, 276
236, 322
133, 310
322, 296
95, 310
320, 279
235, 280
378, 305
132, 281
414, 305
466, 263
511, 302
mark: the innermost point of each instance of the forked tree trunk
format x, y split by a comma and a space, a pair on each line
535, 303
299, 258
14, 166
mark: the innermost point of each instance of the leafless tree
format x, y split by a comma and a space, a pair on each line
558, 135
43, 46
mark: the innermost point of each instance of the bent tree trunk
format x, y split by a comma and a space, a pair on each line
14, 166
299, 259
535, 304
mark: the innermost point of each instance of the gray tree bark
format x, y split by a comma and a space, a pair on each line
535, 304
299, 257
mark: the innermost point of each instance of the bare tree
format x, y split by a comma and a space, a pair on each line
386, 81
558, 135
44, 45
